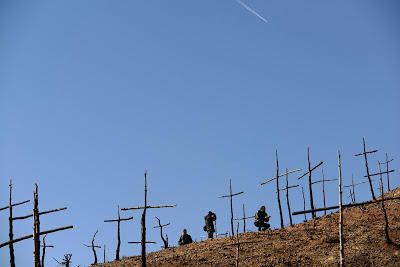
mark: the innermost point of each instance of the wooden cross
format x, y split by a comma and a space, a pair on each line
161, 226
118, 221
10, 223
44, 246
143, 219
36, 228
365, 153
323, 181
276, 178
244, 218
388, 239
231, 195
93, 246
287, 187
309, 173
387, 170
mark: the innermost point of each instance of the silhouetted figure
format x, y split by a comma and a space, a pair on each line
261, 219
185, 238
209, 227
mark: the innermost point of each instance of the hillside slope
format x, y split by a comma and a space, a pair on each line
314, 243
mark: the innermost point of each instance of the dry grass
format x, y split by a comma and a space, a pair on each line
313, 243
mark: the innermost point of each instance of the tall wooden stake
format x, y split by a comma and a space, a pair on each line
364, 153
304, 203
36, 228
323, 189
278, 190
143, 220
231, 195
118, 221
387, 170
44, 247
11, 230
341, 243
93, 246
310, 183
386, 228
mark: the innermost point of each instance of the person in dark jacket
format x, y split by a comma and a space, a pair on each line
261, 219
209, 227
185, 238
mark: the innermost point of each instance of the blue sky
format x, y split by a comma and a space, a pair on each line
92, 93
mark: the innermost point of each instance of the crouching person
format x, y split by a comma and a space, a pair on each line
261, 219
185, 238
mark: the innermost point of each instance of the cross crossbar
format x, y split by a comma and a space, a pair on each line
315, 167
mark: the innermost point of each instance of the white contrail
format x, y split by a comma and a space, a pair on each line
252, 11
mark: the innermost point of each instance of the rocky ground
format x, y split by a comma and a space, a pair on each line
313, 243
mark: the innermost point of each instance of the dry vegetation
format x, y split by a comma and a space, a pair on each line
313, 243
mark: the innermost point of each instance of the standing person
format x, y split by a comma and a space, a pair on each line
209, 227
185, 238
261, 219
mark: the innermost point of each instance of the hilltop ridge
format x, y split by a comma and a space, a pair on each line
312, 243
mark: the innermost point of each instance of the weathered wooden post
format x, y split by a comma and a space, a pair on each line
309, 173
93, 246
36, 228
387, 170
143, 220
276, 179
385, 217
287, 195
44, 247
118, 221
341, 242
304, 204
244, 218
161, 226
231, 195
323, 181
365, 153
10, 223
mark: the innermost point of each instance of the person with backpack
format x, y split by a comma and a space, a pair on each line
209, 227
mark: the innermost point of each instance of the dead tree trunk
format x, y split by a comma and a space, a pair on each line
364, 153
93, 246
310, 182
161, 226
244, 220
44, 247
341, 244
277, 189
231, 206
231, 195
314, 215
385, 217
11, 230
304, 204
323, 190
118, 221
143, 220
36, 228
237, 246
287, 198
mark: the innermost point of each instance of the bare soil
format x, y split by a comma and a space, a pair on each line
313, 243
